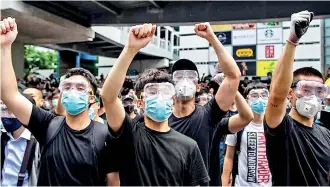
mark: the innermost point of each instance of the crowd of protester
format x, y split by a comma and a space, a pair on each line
174, 128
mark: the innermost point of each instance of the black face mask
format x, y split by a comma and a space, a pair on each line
129, 109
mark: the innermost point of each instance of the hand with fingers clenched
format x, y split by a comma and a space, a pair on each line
140, 35
204, 30
8, 30
299, 24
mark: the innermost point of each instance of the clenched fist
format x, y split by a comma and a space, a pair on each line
8, 30
140, 35
299, 24
204, 30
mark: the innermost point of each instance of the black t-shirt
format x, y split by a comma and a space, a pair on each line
70, 159
104, 116
200, 125
138, 118
298, 155
151, 158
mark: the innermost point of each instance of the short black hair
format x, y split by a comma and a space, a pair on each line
306, 71
85, 73
184, 64
30, 99
214, 85
152, 76
246, 78
253, 85
56, 91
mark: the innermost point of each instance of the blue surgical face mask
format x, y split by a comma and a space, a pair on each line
158, 108
74, 102
258, 106
55, 102
327, 108
91, 113
11, 124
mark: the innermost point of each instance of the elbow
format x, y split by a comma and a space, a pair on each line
106, 97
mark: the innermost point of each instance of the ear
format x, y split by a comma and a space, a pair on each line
91, 99
290, 94
139, 102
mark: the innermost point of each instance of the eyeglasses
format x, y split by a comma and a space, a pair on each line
153, 89
259, 93
188, 74
79, 86
309, 88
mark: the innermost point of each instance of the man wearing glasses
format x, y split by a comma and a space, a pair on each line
298, 151
245, 161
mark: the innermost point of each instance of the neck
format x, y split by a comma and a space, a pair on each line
98, 119
79, 121
16, 134
183, 108
156, 126
132, 115
258, 118
301, 119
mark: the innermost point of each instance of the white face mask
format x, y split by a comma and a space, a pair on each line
185, 89
308, 106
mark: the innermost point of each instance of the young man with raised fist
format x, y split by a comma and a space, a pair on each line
74, 152
298, 151
149, 153
200, 122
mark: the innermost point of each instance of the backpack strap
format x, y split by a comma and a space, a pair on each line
54, 127
237, 152
4, 140
26, 158
33, 154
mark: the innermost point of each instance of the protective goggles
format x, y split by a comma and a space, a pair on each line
79, 86
188, 74
5, 113
153, 89
309, 88
259, 93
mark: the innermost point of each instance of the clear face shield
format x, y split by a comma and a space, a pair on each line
79, 86
258, 93
185, 83
258, 99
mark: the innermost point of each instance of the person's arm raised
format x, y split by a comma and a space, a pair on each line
139, 36
282, 76
244, 116
16, 103
59, 109
227, 91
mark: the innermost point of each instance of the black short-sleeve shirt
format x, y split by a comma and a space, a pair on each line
200, 125
151, 158
298, 155
70, 159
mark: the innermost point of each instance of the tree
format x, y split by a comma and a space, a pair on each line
36, 59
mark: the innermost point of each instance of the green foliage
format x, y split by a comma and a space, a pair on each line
35, 59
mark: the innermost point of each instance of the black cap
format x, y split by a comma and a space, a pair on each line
184, 64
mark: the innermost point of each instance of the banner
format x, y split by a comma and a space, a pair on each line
269, 51
244, 26
247, 68
244, 37
224, 37
271, 35
263, 67
269, 24
244, 52
221, 27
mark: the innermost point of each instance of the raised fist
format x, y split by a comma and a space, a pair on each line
299, 24
140, 35
204, 30
8, 30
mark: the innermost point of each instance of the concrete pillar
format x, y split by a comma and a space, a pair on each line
67, 61
18, 59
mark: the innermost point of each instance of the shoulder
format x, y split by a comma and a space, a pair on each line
183, 140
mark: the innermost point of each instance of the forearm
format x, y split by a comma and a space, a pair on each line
226, 61
8, 79
282, 77
227, 170
243, 108
116, 77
